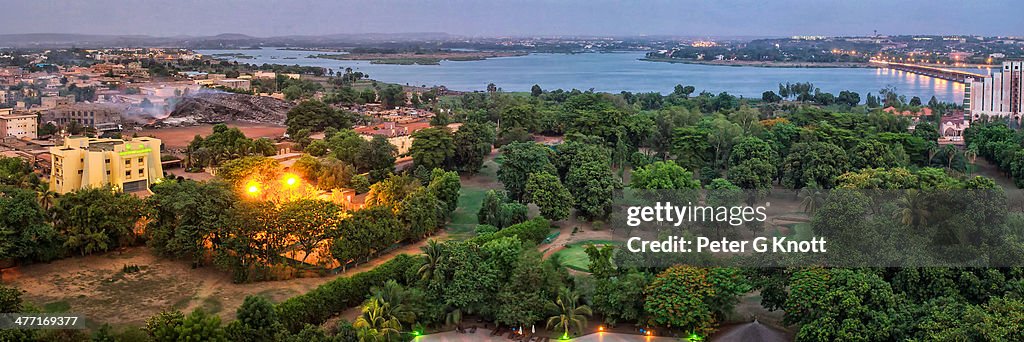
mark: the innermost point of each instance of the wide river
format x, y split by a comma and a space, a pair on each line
615, 72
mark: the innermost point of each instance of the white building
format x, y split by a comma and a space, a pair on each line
235, 83
998, 95
21, 126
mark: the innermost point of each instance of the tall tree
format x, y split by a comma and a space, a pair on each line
547, 192
473, 143
315, 116
593, 185
445, 186
97, 219
432, 148
378, 158
519, 160
187, 215
24, 233
309, 222
817, 162
663, 176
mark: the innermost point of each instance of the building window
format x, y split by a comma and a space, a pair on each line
79, 172
140, 160
141, 171
127, 162
127, 173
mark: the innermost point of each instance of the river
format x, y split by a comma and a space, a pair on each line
615, 72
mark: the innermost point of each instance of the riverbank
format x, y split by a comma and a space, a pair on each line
410, 58
761, 64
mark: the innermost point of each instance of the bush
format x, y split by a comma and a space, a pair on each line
331, 298
482, 229
535, 230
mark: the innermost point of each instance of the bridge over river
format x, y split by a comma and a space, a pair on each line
930, 71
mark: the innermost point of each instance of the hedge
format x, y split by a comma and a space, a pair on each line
535, 230
335, 296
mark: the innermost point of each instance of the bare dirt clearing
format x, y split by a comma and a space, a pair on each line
96, 287
179, 137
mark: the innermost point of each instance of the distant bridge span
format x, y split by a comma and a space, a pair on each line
936, 72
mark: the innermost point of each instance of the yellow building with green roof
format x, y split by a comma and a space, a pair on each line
126, 165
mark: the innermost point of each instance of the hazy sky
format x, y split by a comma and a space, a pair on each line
515, 17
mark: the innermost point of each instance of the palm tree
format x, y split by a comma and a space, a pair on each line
932, 150
433, 255
376, 323
950, 154
972, 155
569, 314
45, 196
811, 198
89, 241
453, 317
392, 294
912, 208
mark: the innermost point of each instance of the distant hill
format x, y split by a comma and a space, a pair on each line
224, 40
47, 39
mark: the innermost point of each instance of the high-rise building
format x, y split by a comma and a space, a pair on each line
126, 165
998, 95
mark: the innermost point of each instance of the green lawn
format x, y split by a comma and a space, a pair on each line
463, 224
471, 197
800, 231
575, 257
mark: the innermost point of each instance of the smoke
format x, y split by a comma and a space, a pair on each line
157, 108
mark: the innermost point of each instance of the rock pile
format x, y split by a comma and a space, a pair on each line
222, 107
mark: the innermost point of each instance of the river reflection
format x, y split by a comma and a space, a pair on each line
615, 72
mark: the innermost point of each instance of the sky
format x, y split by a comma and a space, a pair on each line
488, 18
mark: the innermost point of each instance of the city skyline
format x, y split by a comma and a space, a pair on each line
518, 18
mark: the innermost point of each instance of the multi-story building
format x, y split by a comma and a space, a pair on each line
85, 114
234, 83
126, 165
54, 101
998, 95
21, 126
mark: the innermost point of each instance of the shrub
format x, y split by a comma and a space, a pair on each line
535, 230
331, 298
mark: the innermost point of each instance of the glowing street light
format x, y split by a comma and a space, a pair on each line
253, 188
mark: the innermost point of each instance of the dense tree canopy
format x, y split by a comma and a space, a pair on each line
519, 160
432, 148
316, 116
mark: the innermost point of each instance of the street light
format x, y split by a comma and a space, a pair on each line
253, 189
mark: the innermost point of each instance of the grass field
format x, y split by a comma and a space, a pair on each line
471, 197
463, 224
574, 255
799, 231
